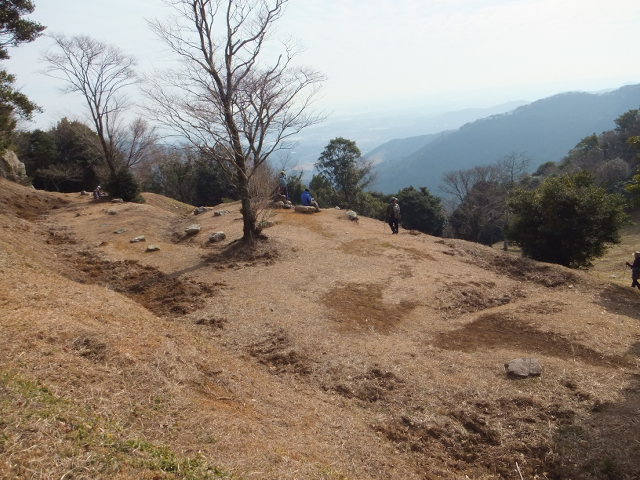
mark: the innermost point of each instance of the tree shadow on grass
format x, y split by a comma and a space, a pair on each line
621, 300
240, 253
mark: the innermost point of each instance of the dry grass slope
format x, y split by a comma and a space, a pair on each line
335, 351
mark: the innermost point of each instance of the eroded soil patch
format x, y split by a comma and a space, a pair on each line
359, 306
518, 268
458, 298
372, 386
163, 294
278, 353
476, 436
504, 330
364, 247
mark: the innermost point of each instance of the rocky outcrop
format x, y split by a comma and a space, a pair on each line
12, 168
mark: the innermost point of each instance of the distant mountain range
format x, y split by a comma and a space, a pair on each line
372, 128
544, 130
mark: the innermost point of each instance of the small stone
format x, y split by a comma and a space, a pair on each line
117, 200
138, 239
112, 211
192, 229
220, 213
153, 248
200, 210
266, 224
351, 215
523, 367
217, 237
84, 193
120, 230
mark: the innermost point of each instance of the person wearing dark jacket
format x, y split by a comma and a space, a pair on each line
393, 215
635, 270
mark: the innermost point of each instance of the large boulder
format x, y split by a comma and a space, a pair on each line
12, 168
305, 209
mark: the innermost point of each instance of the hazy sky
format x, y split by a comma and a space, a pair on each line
381, 54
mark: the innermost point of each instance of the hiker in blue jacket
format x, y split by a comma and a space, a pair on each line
308, 200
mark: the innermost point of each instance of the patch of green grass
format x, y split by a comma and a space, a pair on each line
29, 389
28, 405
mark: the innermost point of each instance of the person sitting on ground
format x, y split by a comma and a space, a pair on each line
393, 215
308, 200
635, 270
98, 193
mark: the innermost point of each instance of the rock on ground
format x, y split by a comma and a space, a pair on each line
523, 367
305, 209
192, 229
217, 237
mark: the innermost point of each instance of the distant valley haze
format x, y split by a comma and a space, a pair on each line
395, 69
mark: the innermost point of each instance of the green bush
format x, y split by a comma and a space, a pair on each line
125, 186
567, 220
421, 211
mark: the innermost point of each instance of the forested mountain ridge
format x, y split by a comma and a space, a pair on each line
543, 131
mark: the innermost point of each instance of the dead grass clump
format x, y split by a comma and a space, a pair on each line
277, 352
360, 306
372, 386
506, 331
457, 298
60, 237
163, 294
484, 438
90, 347
214, 322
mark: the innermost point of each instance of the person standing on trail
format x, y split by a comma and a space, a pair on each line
635, 270
282, 185
393, 215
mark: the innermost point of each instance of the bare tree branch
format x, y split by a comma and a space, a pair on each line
224, 99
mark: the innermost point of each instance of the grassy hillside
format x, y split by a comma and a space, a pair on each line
334, 351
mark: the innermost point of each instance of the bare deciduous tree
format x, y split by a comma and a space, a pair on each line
223, 98
482, 213
101, 73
